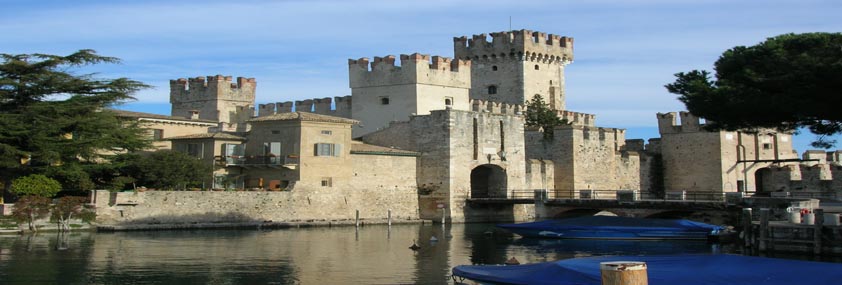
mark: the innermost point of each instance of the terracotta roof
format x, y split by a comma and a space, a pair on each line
363, 148
304, 116
130, 114
208, 136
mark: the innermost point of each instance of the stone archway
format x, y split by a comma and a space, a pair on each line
488, 181
763, 180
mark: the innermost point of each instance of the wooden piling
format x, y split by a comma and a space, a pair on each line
764, 229
747, 228
624, 273
357, 219
817, 230
389, 217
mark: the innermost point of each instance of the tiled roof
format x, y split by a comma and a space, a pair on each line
363, 148
130, 114
304, 116
208, 136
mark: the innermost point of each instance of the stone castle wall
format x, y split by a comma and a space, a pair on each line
323, 106
215, 98
518, 64
587, 158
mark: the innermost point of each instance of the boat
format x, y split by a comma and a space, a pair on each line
611, 227
671, 269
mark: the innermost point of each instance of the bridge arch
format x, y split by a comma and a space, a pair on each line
487, 181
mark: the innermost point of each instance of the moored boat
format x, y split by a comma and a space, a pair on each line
610, 227
673, 269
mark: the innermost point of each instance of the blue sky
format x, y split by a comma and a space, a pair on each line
625, 51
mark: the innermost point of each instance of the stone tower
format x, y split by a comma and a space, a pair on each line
387, 93
216, 98
517, 65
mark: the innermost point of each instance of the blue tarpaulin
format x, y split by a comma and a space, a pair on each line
609, 227
675, 269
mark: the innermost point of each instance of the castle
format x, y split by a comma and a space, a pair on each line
422, 135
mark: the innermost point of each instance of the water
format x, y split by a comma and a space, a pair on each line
373, 254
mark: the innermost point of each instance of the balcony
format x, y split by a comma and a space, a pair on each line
259, 161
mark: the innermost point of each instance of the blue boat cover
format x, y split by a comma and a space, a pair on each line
673, 269
616, 224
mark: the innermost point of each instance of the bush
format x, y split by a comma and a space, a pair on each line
35, 185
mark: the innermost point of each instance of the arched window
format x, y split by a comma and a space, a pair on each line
492, 89
494, 68
536, 67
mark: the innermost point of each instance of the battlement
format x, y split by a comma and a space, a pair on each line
668, 123
323, 106
520, 44
576, 118
414, 69
613, 138
497, 107
212, 88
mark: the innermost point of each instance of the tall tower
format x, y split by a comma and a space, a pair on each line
517, 65
386, 93
216, 99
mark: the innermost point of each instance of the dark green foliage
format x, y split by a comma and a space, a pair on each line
35, 185
786, 82
55, 122
539, 114
165, 169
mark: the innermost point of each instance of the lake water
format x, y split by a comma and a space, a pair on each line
373, 254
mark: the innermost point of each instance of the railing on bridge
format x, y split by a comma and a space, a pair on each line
624, 195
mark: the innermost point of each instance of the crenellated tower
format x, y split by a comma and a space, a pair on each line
387, 92
214, 98
514, 66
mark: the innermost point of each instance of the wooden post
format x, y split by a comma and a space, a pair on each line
357, 219
443, 215
623, 273
389, 217
817, 230
764, 229
747, 227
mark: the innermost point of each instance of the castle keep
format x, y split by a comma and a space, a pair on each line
421, 136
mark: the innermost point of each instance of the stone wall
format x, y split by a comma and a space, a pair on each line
216, 98
298, 205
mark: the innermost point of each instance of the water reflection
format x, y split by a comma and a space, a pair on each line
372, 254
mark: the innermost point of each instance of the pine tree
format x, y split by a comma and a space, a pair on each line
539, 114
55, 121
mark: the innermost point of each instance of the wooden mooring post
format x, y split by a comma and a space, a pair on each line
748, 232
389, 217
623, 273
817, 231
764, 229
357, 219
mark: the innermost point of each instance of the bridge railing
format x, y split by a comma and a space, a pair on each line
622, 195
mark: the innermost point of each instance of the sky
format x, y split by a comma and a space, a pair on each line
624, 51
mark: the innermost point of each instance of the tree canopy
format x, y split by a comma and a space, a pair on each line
165, 169
539, 114
55, 122
787, 82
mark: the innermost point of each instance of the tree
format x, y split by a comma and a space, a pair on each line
66, 208
165, 169
786, 83
30, 208
539, 114
51, 118
35, 185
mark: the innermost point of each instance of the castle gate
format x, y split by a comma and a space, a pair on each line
488, 181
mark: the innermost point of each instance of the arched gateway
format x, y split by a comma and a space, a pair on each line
488, 181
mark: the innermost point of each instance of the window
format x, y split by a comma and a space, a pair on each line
272, 151
767, 146
230, 149
448, 101
157, 134
327, 132
494, 68
276, 132
384, 100
195, 150
327, 149
327, 182
492, 89
536, 67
